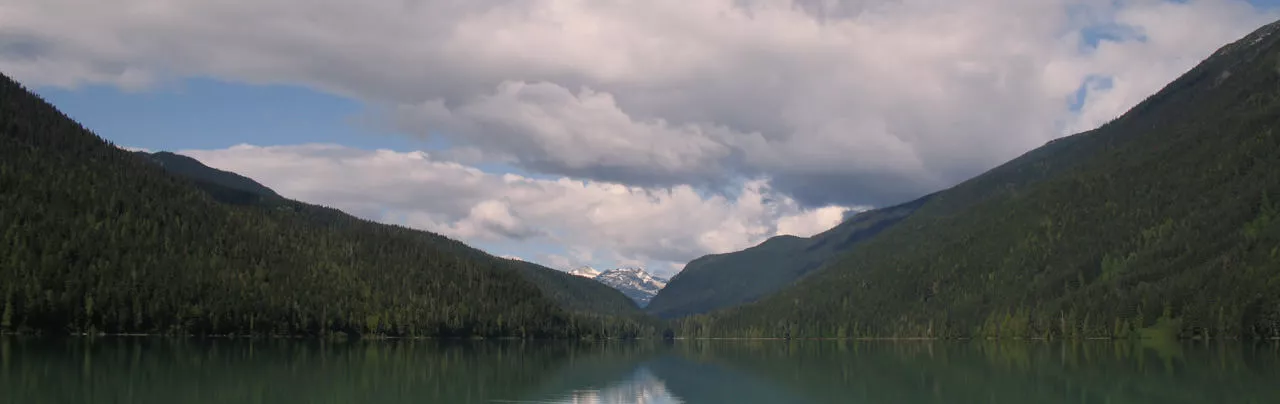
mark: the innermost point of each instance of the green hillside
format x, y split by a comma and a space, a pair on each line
98, 239
723, 280
1164, 222
580, 295
196, 171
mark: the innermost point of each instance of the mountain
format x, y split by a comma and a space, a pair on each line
635, 283
196, 171
588, 298
1162, 223
98, 239
584, 297
585, 272
718, 281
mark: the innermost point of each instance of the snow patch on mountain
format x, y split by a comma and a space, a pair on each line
635, 283
585, 272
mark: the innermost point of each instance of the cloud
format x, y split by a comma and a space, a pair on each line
556, 261
548, 128
1135, 69
812, 222
490, 219
591, 219
849, 102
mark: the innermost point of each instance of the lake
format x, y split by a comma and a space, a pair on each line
158, 370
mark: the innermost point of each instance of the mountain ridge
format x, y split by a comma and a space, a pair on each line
719, 281
1160, 223
634, 282
99, 239
572, 294
197, 171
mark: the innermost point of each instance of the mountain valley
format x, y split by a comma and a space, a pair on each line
1163, 223
633, 282
101, 240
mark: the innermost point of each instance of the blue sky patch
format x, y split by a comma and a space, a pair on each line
212, 114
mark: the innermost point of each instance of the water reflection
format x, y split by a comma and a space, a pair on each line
641, 387
150, 370
948, 372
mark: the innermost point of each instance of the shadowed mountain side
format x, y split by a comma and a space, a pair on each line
583, 295
723, 280
1163, 222
195, 170
103, 240
573, 293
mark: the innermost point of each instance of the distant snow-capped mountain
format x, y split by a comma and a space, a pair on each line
635, 283
585, 272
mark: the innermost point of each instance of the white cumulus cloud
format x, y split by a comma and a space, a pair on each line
676, 127
848, 102
627, 224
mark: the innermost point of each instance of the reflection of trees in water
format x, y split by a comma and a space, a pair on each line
1021, 371
599, 370
282, 371
141, 370
698, 381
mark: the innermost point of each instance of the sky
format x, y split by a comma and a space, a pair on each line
607, 132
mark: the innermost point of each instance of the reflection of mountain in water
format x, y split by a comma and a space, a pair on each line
934, 372
146, 370
655, 374
980, 372
673, 378
641, 388
697, 380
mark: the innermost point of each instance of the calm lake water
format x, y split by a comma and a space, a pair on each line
155, 370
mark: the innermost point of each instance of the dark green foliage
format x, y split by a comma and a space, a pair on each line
1161, 223
97, 239
584, 297
590, 299
723, 280
196, 171
577, 293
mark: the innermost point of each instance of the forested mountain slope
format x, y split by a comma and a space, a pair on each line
1165, 221
722, 280
196, 171
582, 296
99, 239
